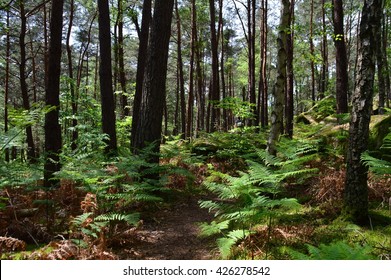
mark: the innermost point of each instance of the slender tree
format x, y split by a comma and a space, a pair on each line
7, 79
141, 62
263, 85
215, 85
356, 186
277, 115
312, 52
53, 138
23, 83
106, 76
289, 102
342, 84
149, 128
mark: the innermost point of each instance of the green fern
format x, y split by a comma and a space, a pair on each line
131, 219
339, 250
250, 199
377, 165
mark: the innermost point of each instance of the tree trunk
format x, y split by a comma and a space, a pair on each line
7, 80
356, 188
149, 128
325, 64
190, 102
225, 122
121, 61
312, 52
280, 85
23, 84
214, 95
141, 62
53, 139
381, 70
289, 102
263, 86
106, 76
342, 84
71, 78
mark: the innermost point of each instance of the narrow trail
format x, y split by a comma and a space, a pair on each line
173, 234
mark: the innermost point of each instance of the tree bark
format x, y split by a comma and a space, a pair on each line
106, 76
72, 82
7, 80
53, 138
215, 87
289, 102
312, 52
263, 85
141, 62
277, 115
356, 188
149, 128
342, 84
31, 156
121, 61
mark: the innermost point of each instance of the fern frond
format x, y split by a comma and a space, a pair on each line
213, 228
130, 219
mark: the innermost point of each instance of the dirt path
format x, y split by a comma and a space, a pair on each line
173, 235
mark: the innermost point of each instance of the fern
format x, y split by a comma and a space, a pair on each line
250, 199
131, 219
377, 165
339, 250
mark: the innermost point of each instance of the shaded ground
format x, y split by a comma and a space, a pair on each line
172, 234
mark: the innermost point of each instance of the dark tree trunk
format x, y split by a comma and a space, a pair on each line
356, 186
225, 122
53, 139
263, 86
251, 60
141, 62
214, 94
381, 70
312, 52
72, 83
289, 102
190, 102
149, 128
7, 79
121, 61
106, 76
23, 84
342, 85
325, 64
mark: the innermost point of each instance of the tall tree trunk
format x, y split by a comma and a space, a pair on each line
381, 70
7, 80
149, 128
280, 85
72, 83
200, 77
385, 58
190, 102
356, 186
141, 62
251, 59
121, 61
53, 139
312, 52
325, 64
214, 95
263, 86
342, 84
106, 77
23, 84
225, 122
289, 102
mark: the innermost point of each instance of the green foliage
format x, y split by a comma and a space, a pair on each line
239, 108
378, 165
251, 198
339, 250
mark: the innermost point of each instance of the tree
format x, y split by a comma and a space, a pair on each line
23, 77
356, 186
149, 129
106, 76
214, 94
53, 139
141, 62
263, 86
277, 115
342, 84
289, 104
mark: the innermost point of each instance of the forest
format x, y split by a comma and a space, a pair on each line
195, 130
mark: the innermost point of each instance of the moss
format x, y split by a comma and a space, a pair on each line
379, 127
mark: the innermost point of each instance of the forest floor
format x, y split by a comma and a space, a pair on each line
172, 234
